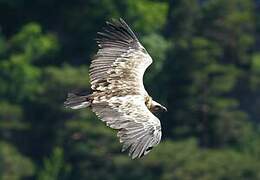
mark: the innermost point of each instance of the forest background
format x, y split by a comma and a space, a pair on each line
206, 71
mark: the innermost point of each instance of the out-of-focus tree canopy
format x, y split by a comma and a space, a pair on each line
206, 71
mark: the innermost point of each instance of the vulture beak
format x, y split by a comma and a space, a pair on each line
164, 109
156, 107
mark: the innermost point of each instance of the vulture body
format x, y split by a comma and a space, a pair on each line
119, 97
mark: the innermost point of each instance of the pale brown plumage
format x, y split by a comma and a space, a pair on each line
119, 97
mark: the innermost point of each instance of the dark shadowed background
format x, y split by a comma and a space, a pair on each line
206, 71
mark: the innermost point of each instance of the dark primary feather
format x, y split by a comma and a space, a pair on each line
118, 33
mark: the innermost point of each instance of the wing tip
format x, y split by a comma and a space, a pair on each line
116, 30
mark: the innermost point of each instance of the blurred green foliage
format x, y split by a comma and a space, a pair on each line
14, 165
206, 71
54, 167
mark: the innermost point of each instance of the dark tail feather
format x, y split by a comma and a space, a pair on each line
74, 101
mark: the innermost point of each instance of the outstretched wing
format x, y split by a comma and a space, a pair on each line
139, 130
116, 76
120, 62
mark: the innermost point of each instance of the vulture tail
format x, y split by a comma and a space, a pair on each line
74, 101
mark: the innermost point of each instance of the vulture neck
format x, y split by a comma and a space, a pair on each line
149, 102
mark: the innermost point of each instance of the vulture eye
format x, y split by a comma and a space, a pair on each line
143, 50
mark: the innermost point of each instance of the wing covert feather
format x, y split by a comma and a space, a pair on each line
138, 129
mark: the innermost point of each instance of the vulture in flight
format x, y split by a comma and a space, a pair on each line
119, 98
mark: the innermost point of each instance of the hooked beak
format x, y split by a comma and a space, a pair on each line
164, 109
156, 107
